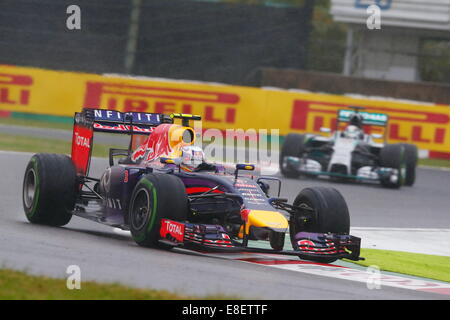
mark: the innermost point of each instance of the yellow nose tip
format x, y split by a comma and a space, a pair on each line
267, 219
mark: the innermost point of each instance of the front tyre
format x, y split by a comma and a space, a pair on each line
293, 146
156, 197
276, 240
411, 158
49, 189
394, 156
328, 213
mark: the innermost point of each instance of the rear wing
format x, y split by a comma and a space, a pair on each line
89, 121
125, 122
369, 118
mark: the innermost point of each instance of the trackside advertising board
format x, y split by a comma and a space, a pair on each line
39, 91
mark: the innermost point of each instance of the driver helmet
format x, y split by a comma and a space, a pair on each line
356, 119
192, 157
352, 132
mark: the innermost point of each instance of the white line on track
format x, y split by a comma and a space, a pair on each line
16, 152
122, 232
415, 240
338, 272
400, 229
327, 270
369, 278
434, 168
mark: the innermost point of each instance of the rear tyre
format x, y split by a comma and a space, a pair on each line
393, 156
49, 189
293, 146
156, 197
411, 158
329, 215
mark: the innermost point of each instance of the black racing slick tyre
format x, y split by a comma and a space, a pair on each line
328, 211
293, 146
156, 197
49, 189
411, 158
276, 240
394, 156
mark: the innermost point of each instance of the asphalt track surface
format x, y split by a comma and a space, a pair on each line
106, 256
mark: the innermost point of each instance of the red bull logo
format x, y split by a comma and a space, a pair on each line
156, 145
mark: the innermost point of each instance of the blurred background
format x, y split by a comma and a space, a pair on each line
231, 41
321, 46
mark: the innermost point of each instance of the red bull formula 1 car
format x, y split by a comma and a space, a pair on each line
150, 193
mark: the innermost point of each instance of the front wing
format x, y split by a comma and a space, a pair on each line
313, 168
306, 245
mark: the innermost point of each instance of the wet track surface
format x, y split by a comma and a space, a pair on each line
104, 255
425, 205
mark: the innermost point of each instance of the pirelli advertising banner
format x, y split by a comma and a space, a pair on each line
63, 93
427, 126
40, 91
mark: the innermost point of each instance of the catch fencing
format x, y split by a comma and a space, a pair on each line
180, 39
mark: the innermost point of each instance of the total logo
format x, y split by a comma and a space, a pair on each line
82, 141
174, 228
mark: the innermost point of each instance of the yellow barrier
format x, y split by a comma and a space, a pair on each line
63, 93
221, 106
427, 126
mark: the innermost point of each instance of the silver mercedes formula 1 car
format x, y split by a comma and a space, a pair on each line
351, 153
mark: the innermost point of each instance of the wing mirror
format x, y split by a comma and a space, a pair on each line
248, 167
241, 166
176, 161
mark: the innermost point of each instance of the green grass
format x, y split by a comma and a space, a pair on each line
414, 264
435, 162
16, 285
36, 145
